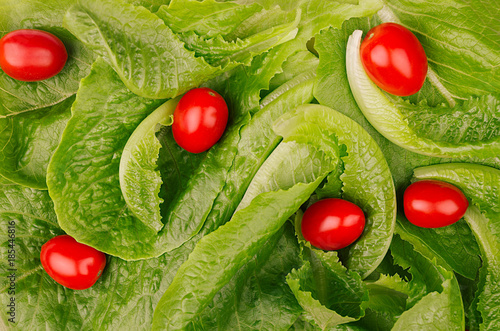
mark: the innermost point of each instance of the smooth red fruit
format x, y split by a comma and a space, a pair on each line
200, 119
434, 204
32, 55
394, 59
71, 264
332, 224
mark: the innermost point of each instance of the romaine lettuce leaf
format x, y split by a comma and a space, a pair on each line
366, 178
150, 59
442, 141
441, 304
214, 183
127, 292
33, 114
480, 185
219, 255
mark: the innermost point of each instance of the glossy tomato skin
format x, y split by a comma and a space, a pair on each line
200, 119
32, 55
332, 224
394, 59
434, 204
72, 264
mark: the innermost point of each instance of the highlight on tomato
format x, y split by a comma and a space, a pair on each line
32, 55
332, 224
72, 264
434, 204
394, 59
200, 119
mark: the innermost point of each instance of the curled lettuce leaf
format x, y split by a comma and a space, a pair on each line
94, 210
388, 118
140, 179
33, 114
292, 172
480, 185
149, 57
366, 178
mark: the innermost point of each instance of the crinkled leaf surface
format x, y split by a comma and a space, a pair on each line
329, 294
461, 41
33, 114
480, 185
83, 175
146, 54
441, 305
390, 121
140, 178
332, 89
127, 292
183, 218
231, 246
366, 179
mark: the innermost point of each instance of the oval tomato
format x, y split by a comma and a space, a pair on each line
394, 59
434, 204
200, 119
31, 55
71, 264
332, 224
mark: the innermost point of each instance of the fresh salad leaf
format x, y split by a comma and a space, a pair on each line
441, 139
230, 247
480, 184
182, 219
147, 55
367, 181
211, 229
140, 180
329, 293
441, 306
33, 114
460, 40
83, 176
454, 246
126, 293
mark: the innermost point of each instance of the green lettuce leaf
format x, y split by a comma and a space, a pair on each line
127, 292
441, 304
464, 56
140, 179
387, 117
332, 90
27, 141
208, 18
480, 184
147, 55
216, 194
83, 176
33, 114
257, 297
367, 180
454, 246
231, 245
329, 293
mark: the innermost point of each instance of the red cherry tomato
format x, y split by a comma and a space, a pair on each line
31, 55
200, 119
434, 204
394, 59
332, 224
71, 264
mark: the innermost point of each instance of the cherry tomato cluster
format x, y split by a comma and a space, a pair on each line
32, 55
394, 59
